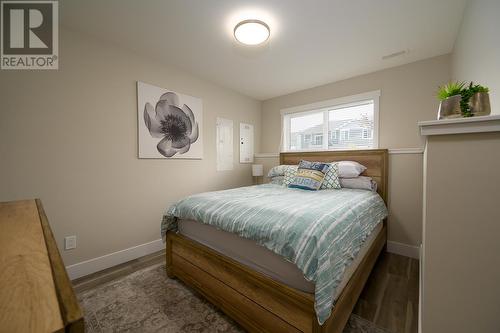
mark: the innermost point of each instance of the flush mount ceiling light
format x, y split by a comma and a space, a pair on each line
251, 32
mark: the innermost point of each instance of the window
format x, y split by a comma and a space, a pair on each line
318, 139
347, 123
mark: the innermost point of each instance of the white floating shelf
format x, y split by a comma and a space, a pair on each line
460, 125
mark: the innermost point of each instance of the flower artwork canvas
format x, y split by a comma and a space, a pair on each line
170, 124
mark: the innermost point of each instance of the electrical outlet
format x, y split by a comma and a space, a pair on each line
70, 242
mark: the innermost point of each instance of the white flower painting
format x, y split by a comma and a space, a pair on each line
170, 124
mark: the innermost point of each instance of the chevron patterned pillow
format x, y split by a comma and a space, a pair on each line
331, 180
290, 173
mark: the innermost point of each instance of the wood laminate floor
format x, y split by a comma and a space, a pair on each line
390, 296
116, 272
389, 299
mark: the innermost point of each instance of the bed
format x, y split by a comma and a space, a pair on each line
257, 287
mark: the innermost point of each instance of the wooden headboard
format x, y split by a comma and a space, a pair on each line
375, 160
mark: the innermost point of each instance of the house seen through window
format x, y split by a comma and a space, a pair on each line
345, 126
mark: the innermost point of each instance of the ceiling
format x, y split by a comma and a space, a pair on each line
312, 42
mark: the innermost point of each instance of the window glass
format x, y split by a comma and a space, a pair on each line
355, 124
304, 131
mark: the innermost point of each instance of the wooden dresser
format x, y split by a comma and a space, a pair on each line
35, 292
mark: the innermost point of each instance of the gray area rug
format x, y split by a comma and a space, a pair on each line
148, 301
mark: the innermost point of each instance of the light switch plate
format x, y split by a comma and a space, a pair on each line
70, 242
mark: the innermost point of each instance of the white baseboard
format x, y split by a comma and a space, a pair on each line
112, 259
403, 249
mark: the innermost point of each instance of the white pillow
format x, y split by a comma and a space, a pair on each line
362, 183
278, 170
350, 169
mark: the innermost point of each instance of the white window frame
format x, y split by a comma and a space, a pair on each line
325, 106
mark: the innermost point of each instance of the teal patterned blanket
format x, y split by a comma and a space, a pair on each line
319, 231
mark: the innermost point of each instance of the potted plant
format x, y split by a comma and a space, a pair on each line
479, 100
459, 100
450, 96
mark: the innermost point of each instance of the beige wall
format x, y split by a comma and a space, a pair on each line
461, 229
407, 96
70, 138
476, 56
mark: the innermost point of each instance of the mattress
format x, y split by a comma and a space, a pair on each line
319, 231
260, 259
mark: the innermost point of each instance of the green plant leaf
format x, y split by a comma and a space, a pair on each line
450, 89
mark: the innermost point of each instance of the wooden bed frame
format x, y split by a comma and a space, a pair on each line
259, 303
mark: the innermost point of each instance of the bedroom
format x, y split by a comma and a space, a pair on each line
332, 81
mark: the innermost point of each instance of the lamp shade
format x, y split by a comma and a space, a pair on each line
257, 170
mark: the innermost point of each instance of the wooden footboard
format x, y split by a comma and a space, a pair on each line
255, 301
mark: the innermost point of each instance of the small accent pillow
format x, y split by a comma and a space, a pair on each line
350, 169
310, 175
290, 173
331, 180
